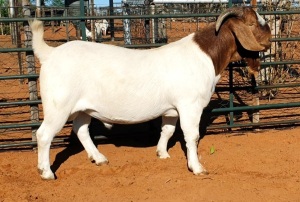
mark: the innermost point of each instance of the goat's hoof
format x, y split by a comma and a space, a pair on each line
105, 162
46, 175
202, 172
102, 163
98, 159
197, 169
205, 172
162, 155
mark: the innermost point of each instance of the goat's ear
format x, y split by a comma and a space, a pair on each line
245, 36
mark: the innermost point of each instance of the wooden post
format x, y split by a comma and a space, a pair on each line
126, 24
32, 83
12, 24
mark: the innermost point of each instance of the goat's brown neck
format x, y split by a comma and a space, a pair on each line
221, 47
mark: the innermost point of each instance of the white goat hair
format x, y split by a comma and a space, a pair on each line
80, 80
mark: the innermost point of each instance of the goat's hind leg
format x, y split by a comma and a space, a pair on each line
80, 127
168, 128
45, 135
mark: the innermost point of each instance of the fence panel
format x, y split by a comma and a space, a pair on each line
240, 100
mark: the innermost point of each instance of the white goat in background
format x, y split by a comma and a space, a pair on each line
101, 28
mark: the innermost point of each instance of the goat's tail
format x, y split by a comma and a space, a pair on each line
40, 48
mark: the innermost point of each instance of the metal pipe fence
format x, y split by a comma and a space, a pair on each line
240, 101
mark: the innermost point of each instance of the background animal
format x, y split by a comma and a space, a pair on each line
101, 27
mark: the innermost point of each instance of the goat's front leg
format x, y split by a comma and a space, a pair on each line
189, 121
168, 128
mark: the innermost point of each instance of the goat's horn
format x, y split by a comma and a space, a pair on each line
231, 11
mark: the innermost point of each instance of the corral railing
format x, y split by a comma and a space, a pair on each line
240, 101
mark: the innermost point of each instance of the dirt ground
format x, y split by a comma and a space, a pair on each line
245, 166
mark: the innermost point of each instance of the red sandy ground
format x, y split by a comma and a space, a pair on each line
250, 166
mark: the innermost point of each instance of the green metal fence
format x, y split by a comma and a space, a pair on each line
240, 101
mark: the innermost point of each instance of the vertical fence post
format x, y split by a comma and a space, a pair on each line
147, 23
152, 8
32, 82
161, 27
13, 25
155, 25
126, 24
111, 21
92, 13
66, 14
38, 8
1, 26
18, 44
231, 96
255, 97
255, 102
82, 22
52, 22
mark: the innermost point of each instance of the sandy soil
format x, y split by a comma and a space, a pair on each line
250, 166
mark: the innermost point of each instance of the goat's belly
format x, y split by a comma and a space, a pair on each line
129, 118
127, 113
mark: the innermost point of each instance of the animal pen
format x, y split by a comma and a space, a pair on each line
241, 102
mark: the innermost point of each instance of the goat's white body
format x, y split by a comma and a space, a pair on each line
118, 85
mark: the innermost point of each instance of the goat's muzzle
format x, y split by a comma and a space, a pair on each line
267, 45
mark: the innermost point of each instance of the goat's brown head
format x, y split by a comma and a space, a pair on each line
252, 33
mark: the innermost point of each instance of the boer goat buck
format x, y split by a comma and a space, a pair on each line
80, 80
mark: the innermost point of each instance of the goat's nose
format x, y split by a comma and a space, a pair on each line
267, 44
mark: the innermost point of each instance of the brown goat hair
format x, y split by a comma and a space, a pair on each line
238, 34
